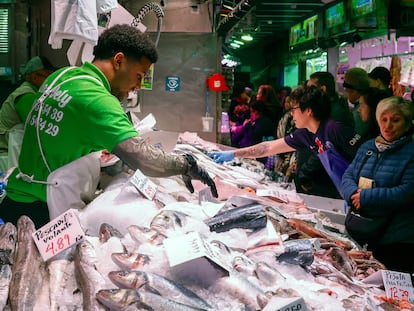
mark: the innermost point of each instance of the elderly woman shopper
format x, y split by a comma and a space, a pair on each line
379, 185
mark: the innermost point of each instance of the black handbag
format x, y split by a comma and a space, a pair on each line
364, 230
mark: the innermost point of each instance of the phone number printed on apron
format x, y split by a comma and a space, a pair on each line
44, 125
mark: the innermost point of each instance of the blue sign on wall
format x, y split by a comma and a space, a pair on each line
172, 84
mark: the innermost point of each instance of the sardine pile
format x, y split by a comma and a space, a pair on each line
265, 250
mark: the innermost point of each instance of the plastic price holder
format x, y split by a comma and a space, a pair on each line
143, 184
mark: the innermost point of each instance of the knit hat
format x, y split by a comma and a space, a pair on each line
381, 73
356, 79
37, 63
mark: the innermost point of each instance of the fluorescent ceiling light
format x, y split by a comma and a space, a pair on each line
247, 37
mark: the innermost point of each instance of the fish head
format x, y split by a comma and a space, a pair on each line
106, 231
117, 299
130, 261
85, 252
8, 240
25, 224
128, 279
243, 264
168, 221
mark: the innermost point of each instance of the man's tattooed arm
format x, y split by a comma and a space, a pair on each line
138, 154
264, 149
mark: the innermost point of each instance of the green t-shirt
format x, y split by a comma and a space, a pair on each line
14, 110
78, 118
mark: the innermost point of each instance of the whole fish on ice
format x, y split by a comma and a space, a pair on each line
8, 239
172, 223
157, 284
89, 279
129, 299
28, 271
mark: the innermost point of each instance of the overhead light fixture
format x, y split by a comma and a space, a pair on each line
235, 45
238, 42
247, 37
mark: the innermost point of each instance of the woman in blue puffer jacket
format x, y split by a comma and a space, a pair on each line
379, 186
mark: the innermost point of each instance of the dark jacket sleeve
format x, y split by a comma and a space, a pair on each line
349, 179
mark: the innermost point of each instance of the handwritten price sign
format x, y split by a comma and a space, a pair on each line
398, 285
58, 235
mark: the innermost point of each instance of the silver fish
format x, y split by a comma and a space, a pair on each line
339, 259
89, 279
267, 274
328, 271
5, 278
130, 261
8, 239
129, 299
244, 265
28, 271
58, 276
239, 287
157, 284
143, 235
169, 223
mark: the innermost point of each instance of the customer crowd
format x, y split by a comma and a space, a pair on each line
370, 164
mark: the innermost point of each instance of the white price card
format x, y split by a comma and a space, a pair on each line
143, 184
398, 285
59, 234
191, 246
286, 304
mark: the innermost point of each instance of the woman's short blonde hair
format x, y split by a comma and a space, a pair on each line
397, 104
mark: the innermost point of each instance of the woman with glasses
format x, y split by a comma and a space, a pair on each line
315, 131
379, 185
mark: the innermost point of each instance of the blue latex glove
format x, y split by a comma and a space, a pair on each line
223, 156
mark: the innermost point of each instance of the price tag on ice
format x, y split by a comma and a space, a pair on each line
143, 184
58, 235
191, 246
398, 285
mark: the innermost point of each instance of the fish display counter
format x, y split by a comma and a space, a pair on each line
258, 246
332, 208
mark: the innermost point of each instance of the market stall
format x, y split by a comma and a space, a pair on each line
149, 244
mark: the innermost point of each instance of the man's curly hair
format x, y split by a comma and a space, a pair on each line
126, 39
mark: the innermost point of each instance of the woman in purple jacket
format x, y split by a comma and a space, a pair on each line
315, 131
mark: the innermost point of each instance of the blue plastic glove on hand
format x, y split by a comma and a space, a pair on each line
223, 156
